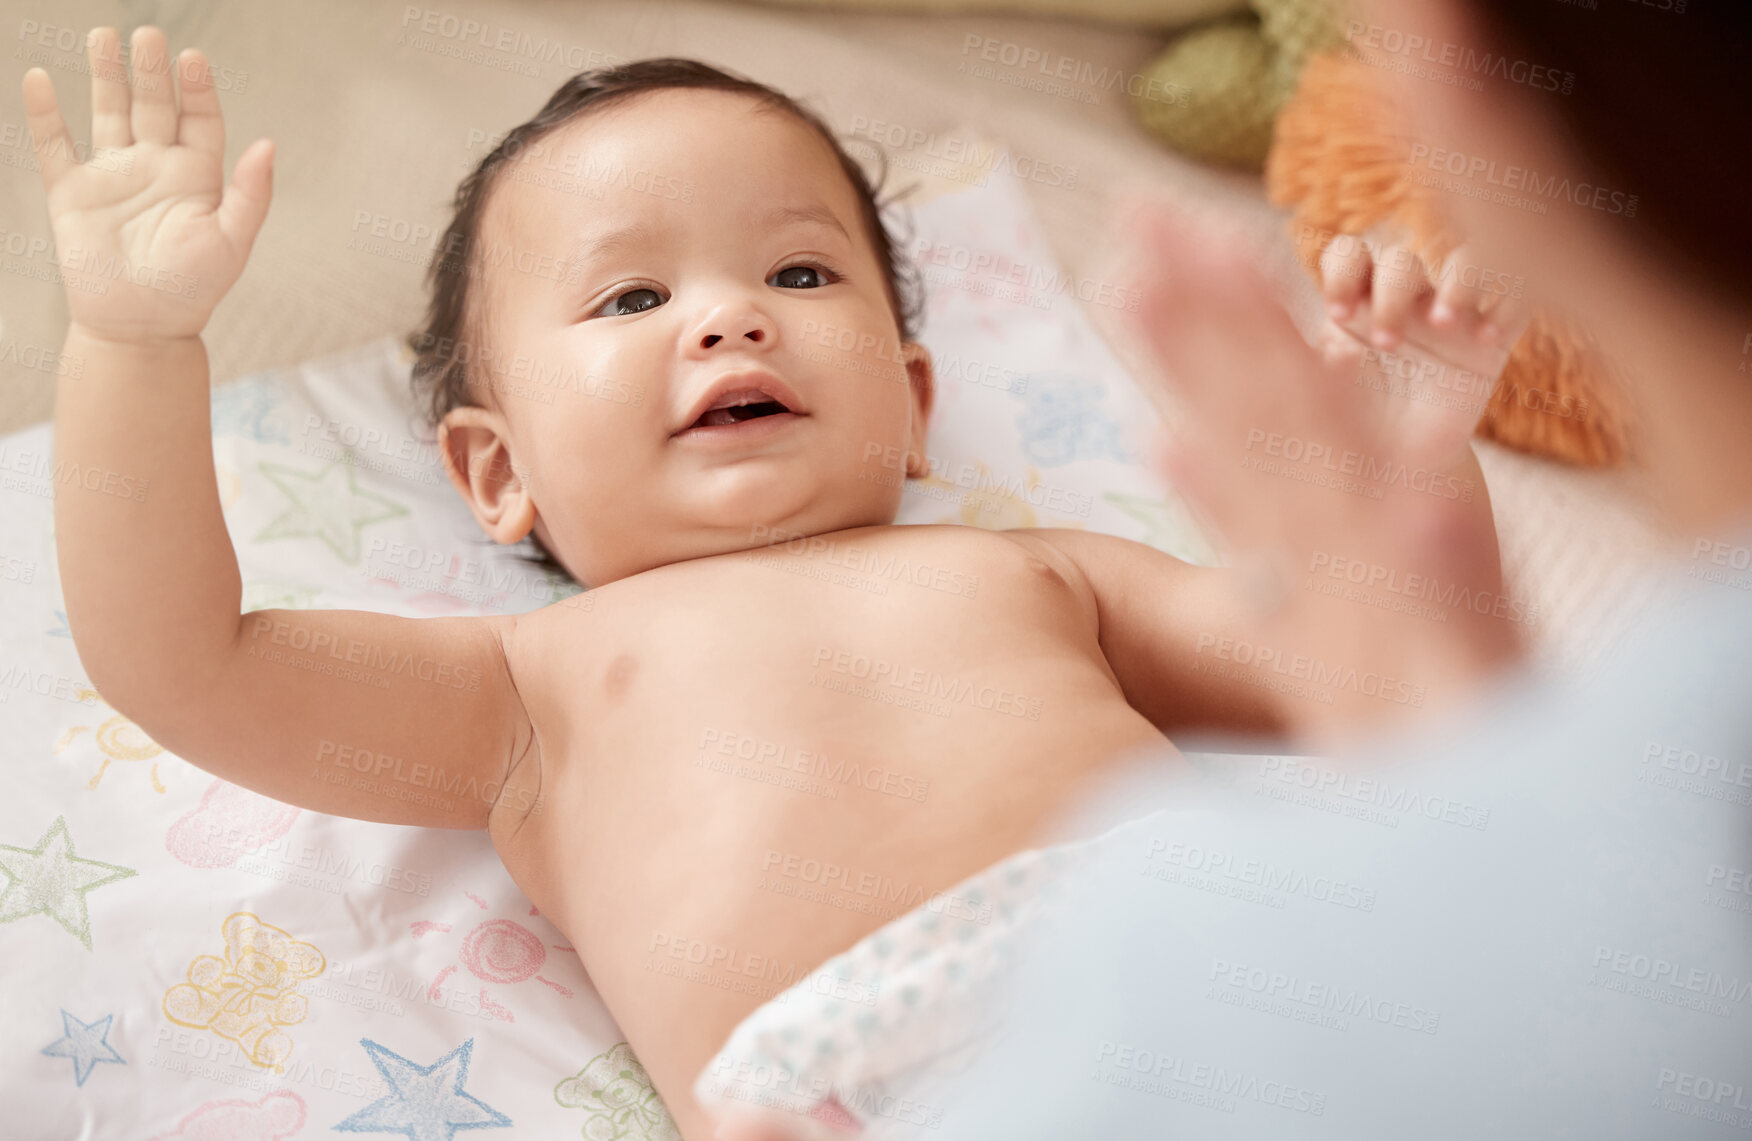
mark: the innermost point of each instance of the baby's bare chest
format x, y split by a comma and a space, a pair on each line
938, 623
818, 669
840, 695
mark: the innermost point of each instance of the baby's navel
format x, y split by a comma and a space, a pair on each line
619, 676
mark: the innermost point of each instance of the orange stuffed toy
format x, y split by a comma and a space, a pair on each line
1337, 160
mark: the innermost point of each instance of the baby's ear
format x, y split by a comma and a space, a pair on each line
922, 381
476, 449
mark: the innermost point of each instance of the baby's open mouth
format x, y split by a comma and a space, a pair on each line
750, 406
741, 405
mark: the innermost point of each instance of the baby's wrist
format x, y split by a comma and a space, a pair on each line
165, 357
141, 341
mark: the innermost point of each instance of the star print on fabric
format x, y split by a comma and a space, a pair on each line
327, 505
250, 408
425, 1103
1064, 421
51, 879
85, 1043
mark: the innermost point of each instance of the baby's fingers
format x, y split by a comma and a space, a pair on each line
245, 201
1338, 348
48, 131
202, 126
1459, 295
1504, 322
1344, 275
1399, 284
109, 90
1456, 307
153, 112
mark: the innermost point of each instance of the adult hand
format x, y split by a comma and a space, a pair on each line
1352, 506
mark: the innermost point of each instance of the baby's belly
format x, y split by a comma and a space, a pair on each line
752, 797
707, 895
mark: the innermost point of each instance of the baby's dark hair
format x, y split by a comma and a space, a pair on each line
448, 350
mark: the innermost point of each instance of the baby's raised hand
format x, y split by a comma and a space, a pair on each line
1300, 464
148, 235
1381, 292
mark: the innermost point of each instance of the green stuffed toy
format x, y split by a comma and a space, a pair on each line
1217, 88
1227, 79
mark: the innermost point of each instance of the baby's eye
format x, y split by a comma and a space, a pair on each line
821, 273
613, 307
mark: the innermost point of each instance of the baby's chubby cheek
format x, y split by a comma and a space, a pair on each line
862, 341
857, 354
885, 462
592, 397
581, 424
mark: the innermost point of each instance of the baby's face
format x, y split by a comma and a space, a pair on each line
724, 263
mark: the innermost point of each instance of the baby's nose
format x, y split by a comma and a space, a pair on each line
740, 321
756, 333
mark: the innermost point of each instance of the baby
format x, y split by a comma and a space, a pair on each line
682, 765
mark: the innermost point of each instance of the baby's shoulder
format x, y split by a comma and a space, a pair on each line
1026, 555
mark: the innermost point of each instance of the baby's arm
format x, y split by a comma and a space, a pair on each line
302, 706
1342, 632
1367, 582
1190, 653
1159, 621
